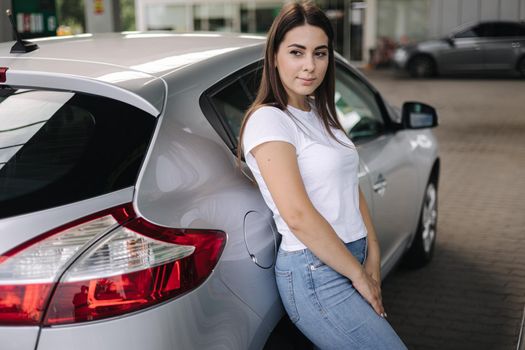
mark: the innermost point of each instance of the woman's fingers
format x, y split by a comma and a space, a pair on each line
371, 291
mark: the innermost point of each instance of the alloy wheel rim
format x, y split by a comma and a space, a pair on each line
423, 68
429, 218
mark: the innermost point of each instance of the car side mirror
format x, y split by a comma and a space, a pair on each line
417, 115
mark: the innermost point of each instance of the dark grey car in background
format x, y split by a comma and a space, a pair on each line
484, 46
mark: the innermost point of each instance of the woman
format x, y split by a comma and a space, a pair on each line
306, 169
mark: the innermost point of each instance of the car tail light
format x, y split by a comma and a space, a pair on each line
138, 264
3, 74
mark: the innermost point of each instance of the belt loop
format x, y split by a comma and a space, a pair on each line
308, 256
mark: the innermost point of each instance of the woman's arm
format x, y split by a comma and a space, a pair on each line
373, 259
278, 165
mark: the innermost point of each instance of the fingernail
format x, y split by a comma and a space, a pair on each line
383, 315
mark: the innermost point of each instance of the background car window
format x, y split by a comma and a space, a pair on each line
467, 33
509, 30
521, 30
61, 147
356, 107
486, 30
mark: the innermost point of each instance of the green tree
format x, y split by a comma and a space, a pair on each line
71, 13
127, 14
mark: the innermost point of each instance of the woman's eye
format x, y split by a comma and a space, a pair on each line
321, 54
296, 53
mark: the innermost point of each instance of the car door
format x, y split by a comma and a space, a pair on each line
464, 54
503, 45
387, 174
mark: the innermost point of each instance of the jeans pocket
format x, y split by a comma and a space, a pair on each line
330, 287
285, 285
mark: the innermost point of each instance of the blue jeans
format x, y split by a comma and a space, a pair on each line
326, 307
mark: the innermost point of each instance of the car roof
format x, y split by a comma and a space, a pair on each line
141, 51
128, 62
475, 23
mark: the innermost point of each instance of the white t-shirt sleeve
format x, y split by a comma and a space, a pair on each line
268, 124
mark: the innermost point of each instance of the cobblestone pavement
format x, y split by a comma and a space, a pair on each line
471, 296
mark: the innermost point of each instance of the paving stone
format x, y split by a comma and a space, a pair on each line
471, 296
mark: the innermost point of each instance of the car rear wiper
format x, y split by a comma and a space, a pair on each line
6, 91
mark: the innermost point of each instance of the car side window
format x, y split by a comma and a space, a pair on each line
233, 100
485, 30
478, 31
509, 30
231, 103
356, 107
521, 30
467, 33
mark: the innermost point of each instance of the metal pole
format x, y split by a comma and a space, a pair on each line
117, 24
346, 30
6, 33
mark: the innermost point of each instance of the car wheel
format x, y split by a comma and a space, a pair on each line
421, 67
521, 67
422, 249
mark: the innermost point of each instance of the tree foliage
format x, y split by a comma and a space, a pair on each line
127, 14
71, 13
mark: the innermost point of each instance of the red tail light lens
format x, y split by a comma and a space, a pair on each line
138, 264
29, 272
3, 74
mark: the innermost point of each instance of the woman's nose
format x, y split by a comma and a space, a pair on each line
309, 64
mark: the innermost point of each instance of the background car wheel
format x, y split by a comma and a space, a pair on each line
422, 249
422, 67
521, 67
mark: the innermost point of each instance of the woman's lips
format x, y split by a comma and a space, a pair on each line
306, 82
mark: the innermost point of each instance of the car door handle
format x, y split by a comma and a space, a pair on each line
380, 185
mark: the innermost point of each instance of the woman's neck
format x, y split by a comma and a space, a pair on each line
302, 105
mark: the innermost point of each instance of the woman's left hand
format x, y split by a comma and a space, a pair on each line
373, 270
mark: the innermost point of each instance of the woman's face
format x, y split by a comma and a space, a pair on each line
301, 61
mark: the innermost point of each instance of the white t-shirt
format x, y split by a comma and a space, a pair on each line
328, 169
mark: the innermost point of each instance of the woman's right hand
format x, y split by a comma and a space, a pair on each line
370, 289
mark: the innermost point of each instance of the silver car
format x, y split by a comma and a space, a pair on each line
125, 221
485, 46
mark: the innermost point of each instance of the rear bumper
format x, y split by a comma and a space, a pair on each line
210, 316
18, 338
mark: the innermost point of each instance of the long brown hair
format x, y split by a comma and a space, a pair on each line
271, 90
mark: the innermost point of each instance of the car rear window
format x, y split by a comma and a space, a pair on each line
61, 147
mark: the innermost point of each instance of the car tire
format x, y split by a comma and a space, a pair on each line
422, 249
521, 67
422, 67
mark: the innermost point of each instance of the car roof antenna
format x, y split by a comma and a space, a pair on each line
21, 46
